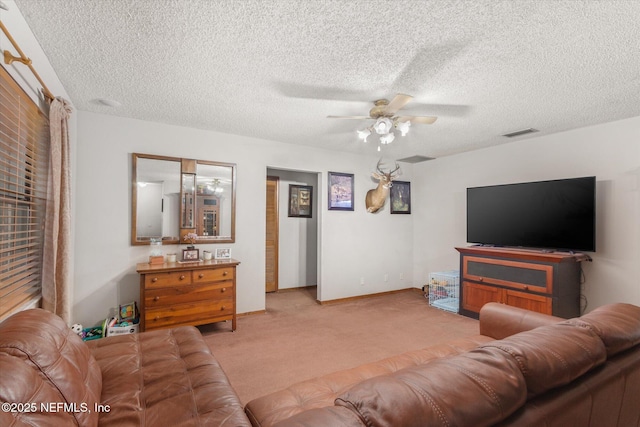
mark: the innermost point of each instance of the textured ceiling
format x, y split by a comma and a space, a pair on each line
276, 69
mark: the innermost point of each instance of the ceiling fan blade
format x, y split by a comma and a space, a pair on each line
349, 117
423, 120
399, 101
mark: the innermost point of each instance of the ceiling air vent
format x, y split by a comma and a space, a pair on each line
416, 159
520, 132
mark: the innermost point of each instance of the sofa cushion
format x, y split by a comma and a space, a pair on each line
551, 356
43, 342
33, 388
330, 416
164, 377
477, 388
500, 320
618, 325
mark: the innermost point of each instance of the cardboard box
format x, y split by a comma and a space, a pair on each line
122, 330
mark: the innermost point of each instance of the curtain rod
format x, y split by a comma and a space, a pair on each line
9, 58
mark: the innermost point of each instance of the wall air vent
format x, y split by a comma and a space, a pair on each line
416, 159
520, 132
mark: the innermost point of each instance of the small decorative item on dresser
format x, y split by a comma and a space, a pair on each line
206, 255
156, 260
223, 253
191, 238
155, 257
171, 258
191, 254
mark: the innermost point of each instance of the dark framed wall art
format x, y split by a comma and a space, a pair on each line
400, 197
340, 191
300, 200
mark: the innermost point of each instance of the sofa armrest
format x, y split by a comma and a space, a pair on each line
500, 320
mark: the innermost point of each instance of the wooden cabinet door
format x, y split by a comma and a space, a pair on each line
475, 296
530, 302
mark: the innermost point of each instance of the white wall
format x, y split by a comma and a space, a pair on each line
298, 237
353, 245
609, 151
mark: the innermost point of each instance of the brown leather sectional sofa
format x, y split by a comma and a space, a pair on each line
523, 369
160, 378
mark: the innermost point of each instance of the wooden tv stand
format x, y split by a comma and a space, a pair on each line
546, 282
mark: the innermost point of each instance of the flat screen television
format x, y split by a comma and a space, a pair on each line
553, 215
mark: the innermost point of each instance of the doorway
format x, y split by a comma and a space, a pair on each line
291, 243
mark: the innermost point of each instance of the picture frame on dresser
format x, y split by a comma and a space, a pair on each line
222, 253
191, 254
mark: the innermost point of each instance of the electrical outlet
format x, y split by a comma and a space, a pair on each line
362, 281
401, 276
386, 277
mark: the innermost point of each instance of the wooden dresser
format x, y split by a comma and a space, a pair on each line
546, 282
179, 294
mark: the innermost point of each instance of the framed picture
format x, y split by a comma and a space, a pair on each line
400, 197
340, 191
300, 200
223, 253
191, 254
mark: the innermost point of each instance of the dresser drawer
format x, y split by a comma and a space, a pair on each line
161, 280
213, 275
194, 313
188, 293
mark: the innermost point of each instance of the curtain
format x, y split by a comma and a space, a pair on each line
57, 289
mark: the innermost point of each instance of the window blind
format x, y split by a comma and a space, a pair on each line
24, 150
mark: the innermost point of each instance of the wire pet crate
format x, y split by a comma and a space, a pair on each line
444, 290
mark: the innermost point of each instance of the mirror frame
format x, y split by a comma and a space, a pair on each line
182, 161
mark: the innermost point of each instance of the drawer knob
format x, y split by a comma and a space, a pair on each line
156, 318
200, 276
182, 277
225, 273
155, 279
526, 288
222, 308
156, 298
481, 279
223, 290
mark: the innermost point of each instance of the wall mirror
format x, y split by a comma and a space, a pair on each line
171, 197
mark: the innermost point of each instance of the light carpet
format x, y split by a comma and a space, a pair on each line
297, 338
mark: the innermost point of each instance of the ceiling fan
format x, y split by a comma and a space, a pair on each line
384, 114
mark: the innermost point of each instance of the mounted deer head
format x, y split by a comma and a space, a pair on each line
376, 197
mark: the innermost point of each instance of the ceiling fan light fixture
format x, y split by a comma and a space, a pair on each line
403, 127
386, 122
382, 126
387, 139
364, 134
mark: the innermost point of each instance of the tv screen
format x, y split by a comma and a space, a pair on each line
554, 215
